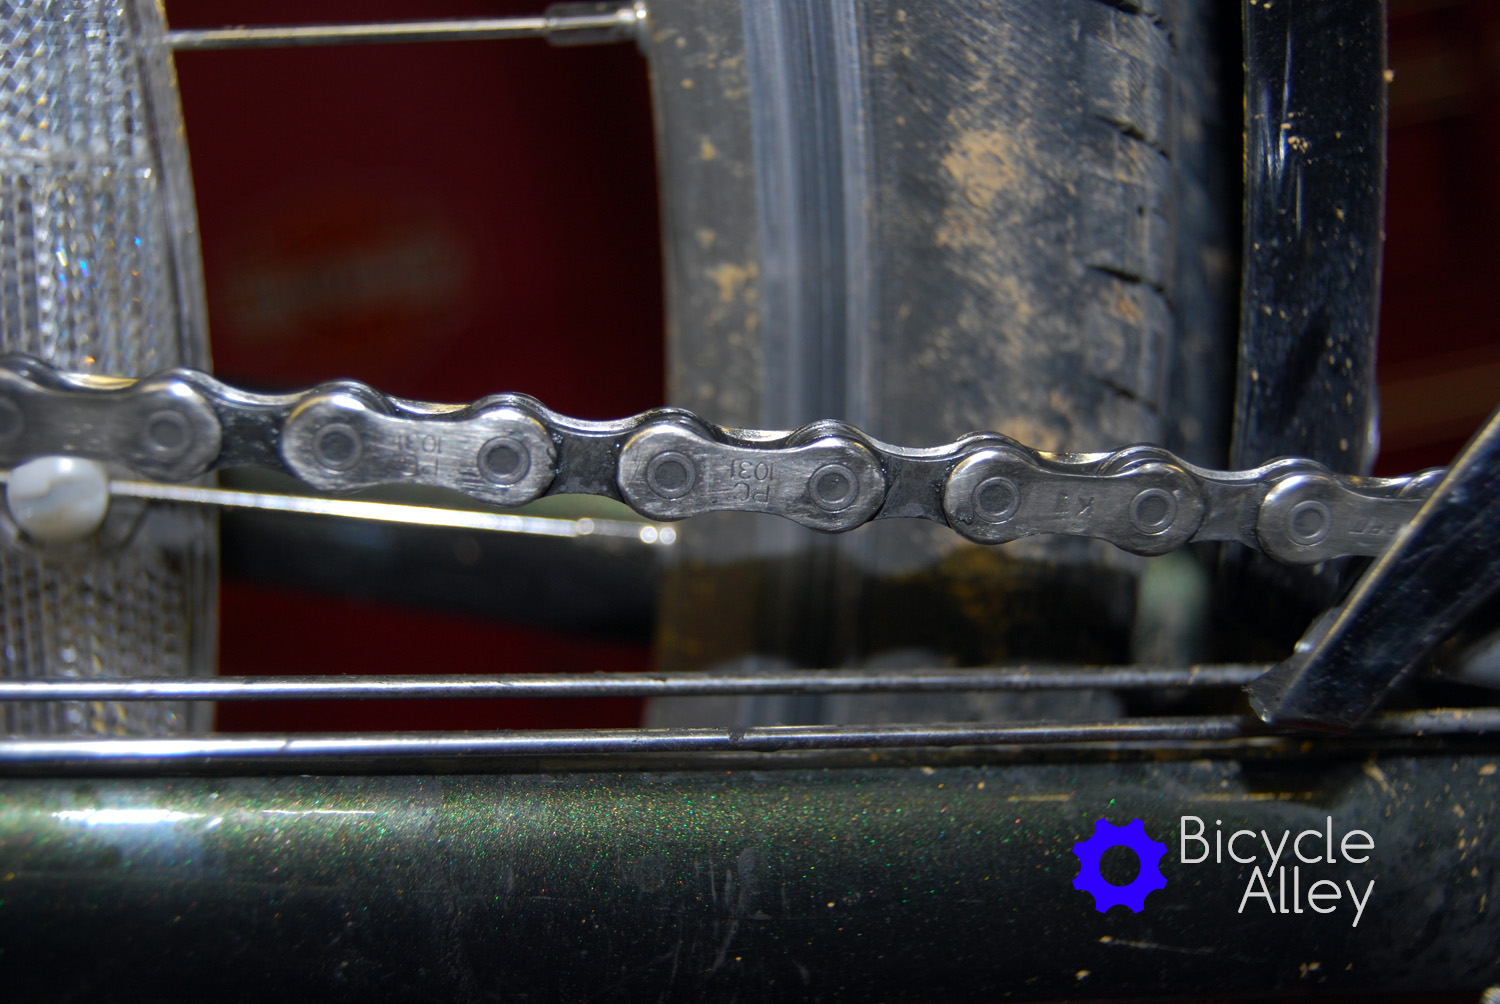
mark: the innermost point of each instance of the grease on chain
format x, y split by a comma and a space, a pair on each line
668, 464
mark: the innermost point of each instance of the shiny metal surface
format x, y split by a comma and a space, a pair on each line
115, 754
999, 495
1440, 569
562, 24
1307, 518
668, 471
391, 512
801, 681
338, 441
668, 464
160, 427
292, 751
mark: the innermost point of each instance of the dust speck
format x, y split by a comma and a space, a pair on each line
731, 278
983, 162
1375, 773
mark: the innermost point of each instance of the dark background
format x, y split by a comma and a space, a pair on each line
1439, 362
446, 221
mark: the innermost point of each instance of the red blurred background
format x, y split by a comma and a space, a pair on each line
442, 221
450, 220
1439, 361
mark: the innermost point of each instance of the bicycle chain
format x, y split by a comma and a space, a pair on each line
667, 464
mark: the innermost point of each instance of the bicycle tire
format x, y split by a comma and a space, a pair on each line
1001, 215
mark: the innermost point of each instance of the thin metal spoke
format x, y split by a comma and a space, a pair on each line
285, 36
124, 752
292, 688
613, 741
391, 512
562, 24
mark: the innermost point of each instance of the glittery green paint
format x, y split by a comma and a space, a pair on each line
931, 884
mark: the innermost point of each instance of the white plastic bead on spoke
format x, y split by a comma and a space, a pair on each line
58, 499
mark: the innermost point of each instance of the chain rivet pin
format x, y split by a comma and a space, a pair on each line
996, 499
338, 446
834, 487
504, 460
1310, 522
1153, 511
671, 474
168, 434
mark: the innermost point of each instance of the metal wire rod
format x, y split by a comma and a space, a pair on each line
561, 24
391, 512
293, 688
610, 741
468, 29
124, 752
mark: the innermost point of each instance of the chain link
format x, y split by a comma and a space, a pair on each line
667, 464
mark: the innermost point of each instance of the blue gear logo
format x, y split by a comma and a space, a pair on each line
1106, 894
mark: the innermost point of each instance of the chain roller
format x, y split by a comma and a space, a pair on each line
668, 464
